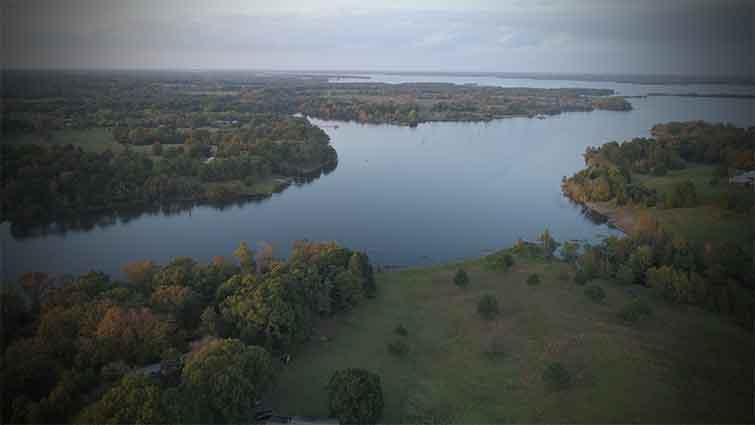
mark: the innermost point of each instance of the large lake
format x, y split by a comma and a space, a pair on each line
407, 196
624, 89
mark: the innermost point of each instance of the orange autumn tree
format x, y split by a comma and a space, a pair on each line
136, 333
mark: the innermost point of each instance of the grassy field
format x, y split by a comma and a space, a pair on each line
91, 140
679, 365
700, 175
707, 221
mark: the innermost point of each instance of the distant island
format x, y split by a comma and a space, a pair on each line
649, 79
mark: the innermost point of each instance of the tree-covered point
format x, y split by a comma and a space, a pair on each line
611, 167
43, 181
183, 342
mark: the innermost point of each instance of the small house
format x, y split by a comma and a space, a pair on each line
747, 179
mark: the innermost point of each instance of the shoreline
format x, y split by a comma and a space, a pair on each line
277, 183
621, 218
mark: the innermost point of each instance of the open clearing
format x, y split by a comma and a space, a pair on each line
680, 365
707, 222
91, 140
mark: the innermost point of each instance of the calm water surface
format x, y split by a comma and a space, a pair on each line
406, 196
626, 89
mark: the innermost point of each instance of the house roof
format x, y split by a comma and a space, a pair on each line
744, 177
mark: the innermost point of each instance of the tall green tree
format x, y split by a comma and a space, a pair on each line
135, 399
246, 257
356, 396
549, 244
270, 312
461, 279
225, 378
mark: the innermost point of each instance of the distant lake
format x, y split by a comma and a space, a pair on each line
625, 89
406, 196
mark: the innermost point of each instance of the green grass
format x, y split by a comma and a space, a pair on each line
90, 140
677, 365
707, 221
700, 175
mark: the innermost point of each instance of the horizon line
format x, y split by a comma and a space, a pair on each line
357, 72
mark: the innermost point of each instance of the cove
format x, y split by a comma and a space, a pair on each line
407, 196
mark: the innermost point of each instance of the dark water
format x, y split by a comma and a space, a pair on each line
407, 196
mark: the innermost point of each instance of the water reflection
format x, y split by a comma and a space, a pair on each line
123, 215
406, 196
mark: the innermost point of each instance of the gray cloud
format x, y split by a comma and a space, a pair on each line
701, 37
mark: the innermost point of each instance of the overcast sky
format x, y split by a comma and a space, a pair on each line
698, 37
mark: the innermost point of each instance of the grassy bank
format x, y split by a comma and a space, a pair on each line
679, 365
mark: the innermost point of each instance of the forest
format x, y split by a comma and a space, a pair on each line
182, 342
50, 180
40, 101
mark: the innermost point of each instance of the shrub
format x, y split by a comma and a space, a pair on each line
684, 195
487, 307
625, 274
634, 311
398, 348
157, 149
249, 181
556, 377
527, 249
581, 277
595, 293
401, 330
660, 170
570, 251
533, 279
461, 279
114, 370
500, 260
355, 396
722, 170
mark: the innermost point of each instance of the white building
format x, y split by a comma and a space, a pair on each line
747, 179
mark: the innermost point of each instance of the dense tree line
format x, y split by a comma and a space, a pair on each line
719, 278
73, 349
42, 181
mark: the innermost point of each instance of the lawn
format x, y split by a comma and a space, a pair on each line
707, 221
679, 365
701, 176
91, 140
